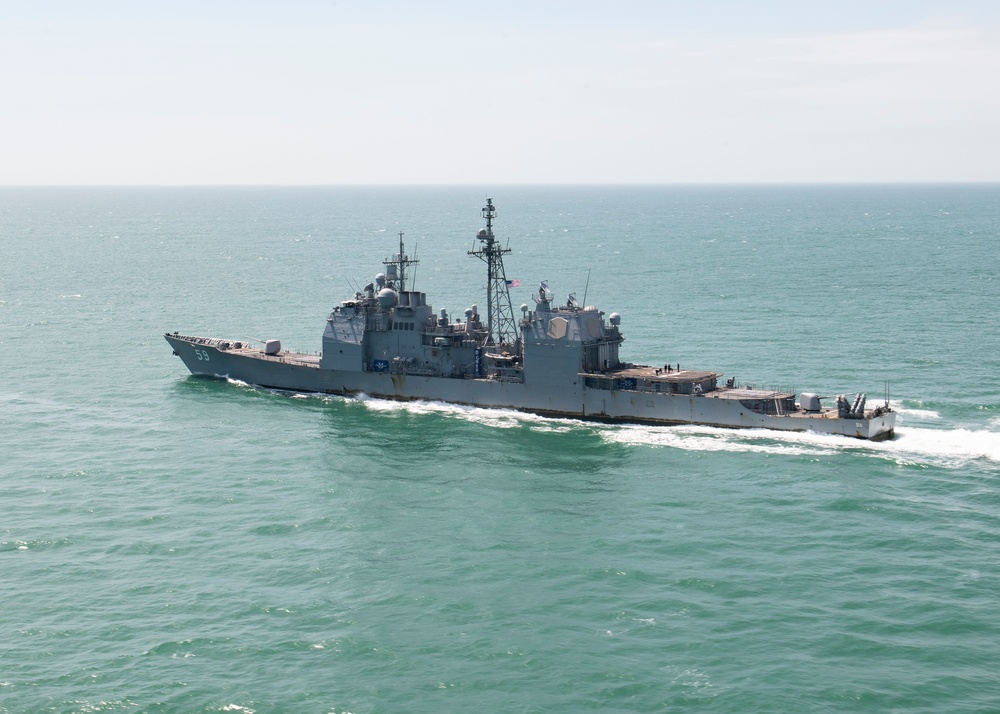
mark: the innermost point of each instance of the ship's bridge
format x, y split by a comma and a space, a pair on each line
593, 342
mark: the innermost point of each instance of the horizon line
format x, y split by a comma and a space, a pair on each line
622, 184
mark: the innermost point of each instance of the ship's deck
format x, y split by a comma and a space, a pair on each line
657, 374
740, 393
655, 379
300, 358
246, 350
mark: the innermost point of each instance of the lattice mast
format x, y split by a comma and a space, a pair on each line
397, 276
499, 313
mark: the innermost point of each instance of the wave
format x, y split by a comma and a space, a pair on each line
497, 418
951, 448
945, 447
940, 447
905, 411
912, 444
709, 438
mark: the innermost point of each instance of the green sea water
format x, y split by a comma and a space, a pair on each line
174, 544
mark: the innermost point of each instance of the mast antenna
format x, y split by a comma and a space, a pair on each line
499, 313
401, 261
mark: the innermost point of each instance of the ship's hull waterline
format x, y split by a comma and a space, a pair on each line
298, 372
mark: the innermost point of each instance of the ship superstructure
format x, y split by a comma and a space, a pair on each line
556, 359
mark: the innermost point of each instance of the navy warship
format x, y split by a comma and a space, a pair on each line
559, 360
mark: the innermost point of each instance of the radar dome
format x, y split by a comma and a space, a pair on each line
386, 297
614, 318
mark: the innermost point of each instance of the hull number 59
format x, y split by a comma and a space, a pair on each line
202, 355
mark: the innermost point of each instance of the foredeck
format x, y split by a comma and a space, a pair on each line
244, 349
299, 358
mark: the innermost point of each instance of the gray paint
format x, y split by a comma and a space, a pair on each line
388, 342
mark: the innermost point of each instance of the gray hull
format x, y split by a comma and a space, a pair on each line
302, 373
556, 359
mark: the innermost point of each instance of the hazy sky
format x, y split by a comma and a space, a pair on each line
619, 91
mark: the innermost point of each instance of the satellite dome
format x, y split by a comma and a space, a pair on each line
386, 297
614, 318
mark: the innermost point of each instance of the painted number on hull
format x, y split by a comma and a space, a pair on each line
202, 355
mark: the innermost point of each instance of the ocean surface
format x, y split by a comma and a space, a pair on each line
176, 544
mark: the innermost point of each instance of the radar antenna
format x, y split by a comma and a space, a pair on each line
499, 313
401, 261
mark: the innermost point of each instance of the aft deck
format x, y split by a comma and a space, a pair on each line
643, 378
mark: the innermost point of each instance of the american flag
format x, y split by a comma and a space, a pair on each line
513, 283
